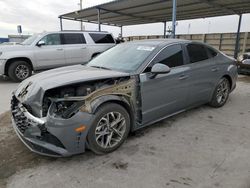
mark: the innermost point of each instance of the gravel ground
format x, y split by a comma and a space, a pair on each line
6, 88
204, 147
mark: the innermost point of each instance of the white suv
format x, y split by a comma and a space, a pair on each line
50, 50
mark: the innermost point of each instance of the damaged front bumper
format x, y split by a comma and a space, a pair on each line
50, 136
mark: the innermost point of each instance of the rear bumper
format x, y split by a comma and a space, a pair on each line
50, 136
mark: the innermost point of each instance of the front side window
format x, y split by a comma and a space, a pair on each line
100, 38
197, 52
171, 56
52, 39
73, 38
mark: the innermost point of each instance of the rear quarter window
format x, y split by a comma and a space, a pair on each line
211, 52
102, 38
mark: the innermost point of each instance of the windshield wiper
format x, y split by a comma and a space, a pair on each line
100, 67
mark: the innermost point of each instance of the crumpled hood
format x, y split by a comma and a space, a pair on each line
31, 90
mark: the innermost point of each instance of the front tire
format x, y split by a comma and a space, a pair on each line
110, 128
19, 71
221, 93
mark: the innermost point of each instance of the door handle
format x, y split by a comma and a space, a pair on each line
83, 48
214, 69
183, 77
59, 49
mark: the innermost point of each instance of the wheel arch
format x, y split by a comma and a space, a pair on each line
9, 61
95, 54
117, 100
229, 79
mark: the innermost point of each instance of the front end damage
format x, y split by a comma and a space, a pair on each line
67, 113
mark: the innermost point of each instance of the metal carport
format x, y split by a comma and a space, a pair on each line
133, 12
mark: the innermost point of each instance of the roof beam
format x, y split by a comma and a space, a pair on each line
130, 15
165, 9
216, 5
100, 6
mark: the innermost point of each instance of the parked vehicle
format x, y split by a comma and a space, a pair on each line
244, 63
62, 111
51, 50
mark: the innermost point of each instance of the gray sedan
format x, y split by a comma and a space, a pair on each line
63, 111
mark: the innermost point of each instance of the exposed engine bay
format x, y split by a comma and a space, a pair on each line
66, 101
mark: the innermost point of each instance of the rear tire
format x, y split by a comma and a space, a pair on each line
19, 71
221, 93
110, 128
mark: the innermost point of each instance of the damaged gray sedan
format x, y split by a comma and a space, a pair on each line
63, 111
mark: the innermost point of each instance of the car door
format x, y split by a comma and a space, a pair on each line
165, 94
51, 53
75, 47
203, 73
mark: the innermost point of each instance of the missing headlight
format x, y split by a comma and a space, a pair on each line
66, 109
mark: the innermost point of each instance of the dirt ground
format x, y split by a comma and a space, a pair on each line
204, 147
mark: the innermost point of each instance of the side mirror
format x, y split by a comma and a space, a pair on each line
40, 43
159, 68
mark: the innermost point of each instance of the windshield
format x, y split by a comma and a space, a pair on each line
30, 40
127, 57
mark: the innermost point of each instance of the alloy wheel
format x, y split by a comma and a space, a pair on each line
22, 72
222, 92
110, 130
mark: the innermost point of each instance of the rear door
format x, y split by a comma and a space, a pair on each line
51, 54
204, 73
75, 47
166, 93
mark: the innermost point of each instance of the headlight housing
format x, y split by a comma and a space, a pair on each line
66, 109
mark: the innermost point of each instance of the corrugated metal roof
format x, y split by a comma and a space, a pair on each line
132, 12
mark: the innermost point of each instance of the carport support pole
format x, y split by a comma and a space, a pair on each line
165, 28
237, 42
121, 31
61, 25
173, 19
99, 19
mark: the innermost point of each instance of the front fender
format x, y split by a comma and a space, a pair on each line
108, 98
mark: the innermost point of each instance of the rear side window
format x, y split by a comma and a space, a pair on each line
197, 52
73, 38
101, 38
171, 56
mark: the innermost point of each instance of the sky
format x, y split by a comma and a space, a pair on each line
37, 16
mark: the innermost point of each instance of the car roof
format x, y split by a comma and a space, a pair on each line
159, 42
75, 31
